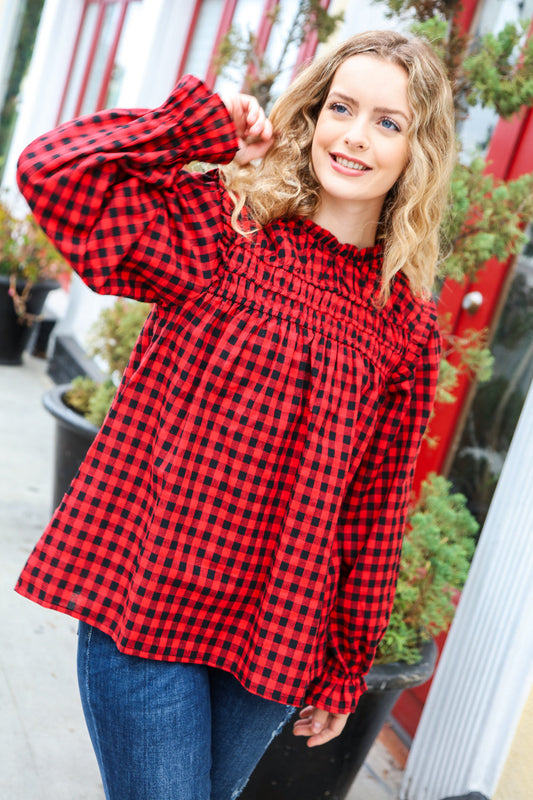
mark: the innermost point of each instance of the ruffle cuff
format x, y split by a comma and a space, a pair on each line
335, 691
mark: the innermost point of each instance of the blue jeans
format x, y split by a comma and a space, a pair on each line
167, 731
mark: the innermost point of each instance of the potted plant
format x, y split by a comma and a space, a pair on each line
81, 406
29, 269
435, 558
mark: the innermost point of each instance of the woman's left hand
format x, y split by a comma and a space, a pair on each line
321, 726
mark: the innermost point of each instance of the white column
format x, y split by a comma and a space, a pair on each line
486, 670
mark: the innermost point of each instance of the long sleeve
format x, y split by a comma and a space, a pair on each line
370, 531
111, 193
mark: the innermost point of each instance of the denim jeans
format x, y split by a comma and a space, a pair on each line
167, 731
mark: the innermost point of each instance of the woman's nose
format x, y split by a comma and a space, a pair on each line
357, 136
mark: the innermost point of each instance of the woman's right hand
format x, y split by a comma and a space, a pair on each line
319, 725
254, 129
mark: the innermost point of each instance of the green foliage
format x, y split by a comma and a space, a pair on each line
26, 256
495, 70
100, 401
91, 399
112, 338
497, 78
468, 353
478, 360
436, 554
435, 31
25, 251
422, 9
485, 219
448, 378
115, 332
79, 395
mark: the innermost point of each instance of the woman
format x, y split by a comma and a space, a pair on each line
231, 542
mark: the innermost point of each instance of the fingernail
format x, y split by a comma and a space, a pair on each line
317, 727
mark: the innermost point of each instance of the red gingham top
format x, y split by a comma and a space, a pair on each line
244, 501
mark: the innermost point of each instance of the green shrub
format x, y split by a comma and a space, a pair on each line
436, 554
112, 338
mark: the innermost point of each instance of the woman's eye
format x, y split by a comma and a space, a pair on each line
339, 108
389, 124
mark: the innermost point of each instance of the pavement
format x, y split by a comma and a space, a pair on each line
45, 751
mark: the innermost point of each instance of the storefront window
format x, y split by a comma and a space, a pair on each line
94, 77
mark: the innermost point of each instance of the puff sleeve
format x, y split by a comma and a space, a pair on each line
111, 193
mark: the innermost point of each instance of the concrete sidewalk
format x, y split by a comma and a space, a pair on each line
45, 752
45, 749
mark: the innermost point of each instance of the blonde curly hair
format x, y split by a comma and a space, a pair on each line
283, 183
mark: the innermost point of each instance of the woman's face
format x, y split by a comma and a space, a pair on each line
360, 145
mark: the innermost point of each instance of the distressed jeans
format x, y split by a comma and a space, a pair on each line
166, 731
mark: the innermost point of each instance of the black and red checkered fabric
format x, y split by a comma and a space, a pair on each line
244, 501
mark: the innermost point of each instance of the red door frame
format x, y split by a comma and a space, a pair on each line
510, 155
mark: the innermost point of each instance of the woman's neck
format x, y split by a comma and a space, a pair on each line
350, 226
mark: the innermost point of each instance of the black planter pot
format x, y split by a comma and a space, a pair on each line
40, 337
14, 335
72, 440
289, 770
